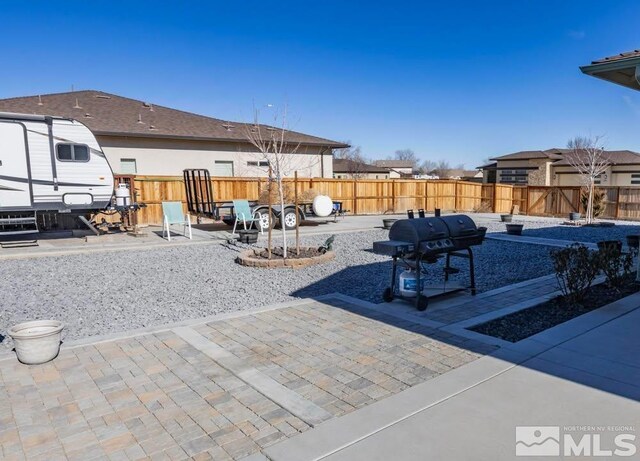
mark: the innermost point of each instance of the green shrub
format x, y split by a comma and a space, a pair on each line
576, 267
615, 265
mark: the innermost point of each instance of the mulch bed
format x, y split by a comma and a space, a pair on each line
278, 253
527, 322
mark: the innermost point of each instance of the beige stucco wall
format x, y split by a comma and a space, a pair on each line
170, 156
619, 175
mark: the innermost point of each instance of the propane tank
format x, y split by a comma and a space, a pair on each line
123, 196
408, 283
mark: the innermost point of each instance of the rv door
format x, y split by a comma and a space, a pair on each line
15, 181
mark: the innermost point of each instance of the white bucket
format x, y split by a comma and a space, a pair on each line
38, 341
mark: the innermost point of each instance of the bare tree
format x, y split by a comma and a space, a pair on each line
427, 166
407, 155
588, 157
442, 169
347, 153
356, 163
274, 147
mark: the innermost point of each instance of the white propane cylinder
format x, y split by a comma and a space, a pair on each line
408, 283
322, 206
123, 196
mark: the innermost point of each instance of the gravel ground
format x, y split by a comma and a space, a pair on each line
104, 292
553, 229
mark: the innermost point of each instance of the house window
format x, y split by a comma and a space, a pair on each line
223, 168
128, 166
597, 180
72, 152
635, 178
260, 163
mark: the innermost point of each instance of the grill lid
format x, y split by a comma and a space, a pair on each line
418, 230
459, 225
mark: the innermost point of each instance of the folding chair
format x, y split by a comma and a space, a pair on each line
243, 213
172, 214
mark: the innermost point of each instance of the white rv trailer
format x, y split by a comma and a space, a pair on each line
50, 164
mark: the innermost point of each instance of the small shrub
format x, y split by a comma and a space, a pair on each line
576, 267
263, 199
483, 207
599, 204
615, 265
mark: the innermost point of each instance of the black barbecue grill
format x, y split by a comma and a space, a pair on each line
414, 242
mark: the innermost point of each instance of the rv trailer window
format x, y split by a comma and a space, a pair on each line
72, 152
64, 152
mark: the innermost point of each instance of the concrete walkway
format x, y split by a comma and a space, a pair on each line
585, 372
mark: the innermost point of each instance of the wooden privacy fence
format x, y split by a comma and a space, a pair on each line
379, 196
363, 196
620, 202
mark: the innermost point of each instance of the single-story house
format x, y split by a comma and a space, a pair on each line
551, 168
147, 139
397, 168
351, 169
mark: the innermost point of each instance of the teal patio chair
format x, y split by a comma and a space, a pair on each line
243, 213
172, 214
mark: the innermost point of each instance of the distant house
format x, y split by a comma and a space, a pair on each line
350, 169
147, 139
551, 168
397, 168
459, 174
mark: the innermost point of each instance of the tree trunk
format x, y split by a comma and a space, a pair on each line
284, 230
590, 203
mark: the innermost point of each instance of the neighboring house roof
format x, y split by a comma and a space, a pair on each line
394, 163
488, 166
557, 156
551, 154
341, 165
615, 157
110, 114
457, 173
623, 69
618, 57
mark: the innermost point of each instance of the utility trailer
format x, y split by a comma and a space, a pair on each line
49, 166
201, 203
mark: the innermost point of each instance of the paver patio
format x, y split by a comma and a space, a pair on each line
161, 396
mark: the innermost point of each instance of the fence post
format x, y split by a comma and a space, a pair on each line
495, 197
617, 202
393, 196
355, 198
457, 196
426, 184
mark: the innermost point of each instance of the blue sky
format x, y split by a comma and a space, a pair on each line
459, 81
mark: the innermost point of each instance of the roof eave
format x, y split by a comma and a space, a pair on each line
605, 71
331, 144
